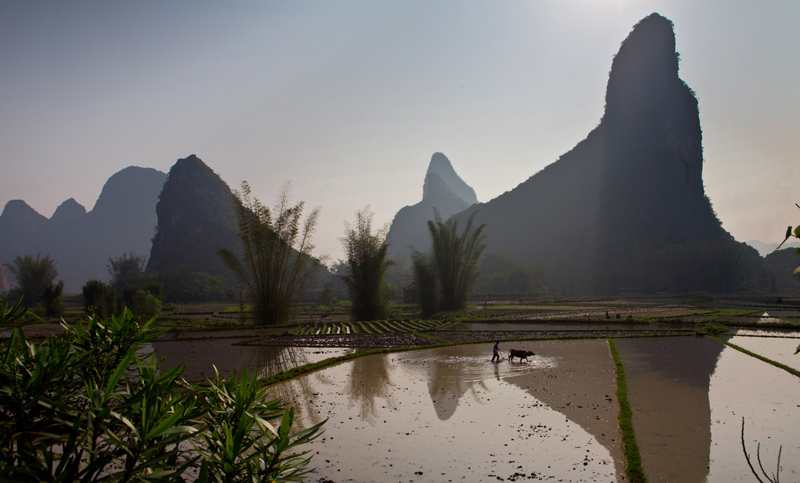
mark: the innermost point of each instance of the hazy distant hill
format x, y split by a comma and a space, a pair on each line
618, 211
196, 217
781, 264
23, 230
121, 221
444, 190
766, 248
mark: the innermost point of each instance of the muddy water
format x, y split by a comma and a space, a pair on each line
668, 380
200, 356
449, 414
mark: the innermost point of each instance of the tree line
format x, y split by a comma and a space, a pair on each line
275, 262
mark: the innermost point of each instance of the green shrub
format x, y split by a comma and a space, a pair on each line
711, 328
89, 406
146, 304
53, 299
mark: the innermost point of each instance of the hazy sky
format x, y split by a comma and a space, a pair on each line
349, 100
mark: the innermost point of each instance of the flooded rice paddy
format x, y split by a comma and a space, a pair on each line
767, 398
448, 414
548, 326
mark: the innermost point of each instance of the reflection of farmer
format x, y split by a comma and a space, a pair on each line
496, 350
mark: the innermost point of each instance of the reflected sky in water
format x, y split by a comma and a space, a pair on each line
777, 349
769, 400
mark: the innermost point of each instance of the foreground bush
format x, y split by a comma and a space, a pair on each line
91, 406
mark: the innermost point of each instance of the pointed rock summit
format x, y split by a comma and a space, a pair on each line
17, 211
196, 217
68, 212
444, 190
440, 166
604, 216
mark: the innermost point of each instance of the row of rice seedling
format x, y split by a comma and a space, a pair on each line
370, 327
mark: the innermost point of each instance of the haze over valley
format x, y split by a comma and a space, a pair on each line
491, 96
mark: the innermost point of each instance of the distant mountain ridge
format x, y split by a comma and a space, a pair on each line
765, 249
81, 242
444, 190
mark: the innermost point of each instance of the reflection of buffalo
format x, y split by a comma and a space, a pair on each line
521, 354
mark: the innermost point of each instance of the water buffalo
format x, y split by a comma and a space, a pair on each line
521, 354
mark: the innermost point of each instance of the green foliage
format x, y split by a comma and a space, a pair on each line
328, 296
185, 286
232, 449
711, 328
99, 299
502, 273
444, 277
373, 327
89, 406
11, 312
633, 459
33, 275
796, 234
426, 283
367, 263
340, 267
276, 258
687, 267
127, 269
144, 300
145, 303
53, 299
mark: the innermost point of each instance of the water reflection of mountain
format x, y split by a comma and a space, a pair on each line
369, 380
449, 378
668, 385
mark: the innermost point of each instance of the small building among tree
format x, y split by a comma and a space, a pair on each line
411, 294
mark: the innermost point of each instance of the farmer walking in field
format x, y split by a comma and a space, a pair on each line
496, 350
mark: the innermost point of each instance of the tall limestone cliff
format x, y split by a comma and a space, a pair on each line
196, 217
121, 221
443, 190
615, 210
